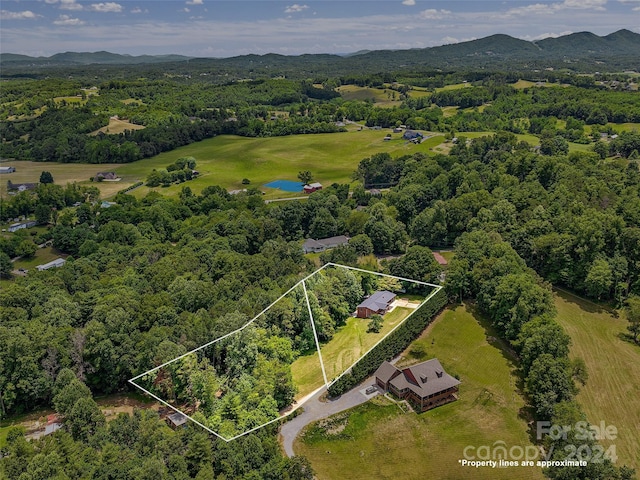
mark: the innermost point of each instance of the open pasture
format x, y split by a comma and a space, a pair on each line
227, 159
613, 365
379, 440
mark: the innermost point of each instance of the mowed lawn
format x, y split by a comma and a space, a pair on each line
347, 346
227, 159
43, 255
612, 391
379, 441
352, 341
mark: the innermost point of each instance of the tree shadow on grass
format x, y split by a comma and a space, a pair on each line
625, 337
525, 413
584, 303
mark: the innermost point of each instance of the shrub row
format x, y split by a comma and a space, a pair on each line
390, 346
131, 187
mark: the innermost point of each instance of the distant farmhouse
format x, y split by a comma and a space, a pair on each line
58, 262
312, 187
315, 246
20, 225
425, 385
7, 169
105, 176
377, 303
412, 135
21, 187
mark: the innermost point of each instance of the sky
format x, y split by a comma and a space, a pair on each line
214, 28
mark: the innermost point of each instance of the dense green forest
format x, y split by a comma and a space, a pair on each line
151, 278
44, 122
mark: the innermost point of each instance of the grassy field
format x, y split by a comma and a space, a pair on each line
448, 255
612, 392
352, 341
455, 86
63, 173
520, 84
449, 111
43, 255
348, 344
625, 127
227, 159
116, 126
380, 441
307, 374
380, 96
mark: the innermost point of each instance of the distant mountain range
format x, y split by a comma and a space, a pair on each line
495, 50
87, 58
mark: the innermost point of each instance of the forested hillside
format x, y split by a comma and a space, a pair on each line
535, 183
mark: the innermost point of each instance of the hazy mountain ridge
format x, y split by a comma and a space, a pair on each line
88, 58
494, 50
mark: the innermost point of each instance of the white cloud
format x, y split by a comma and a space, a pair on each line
409, 3
70, 5
195, 2
449, 40
584, 4
109, 7
295, 8
534, 9
546, 35
66, 20
186, 10
549, 8
433, 14
24, 15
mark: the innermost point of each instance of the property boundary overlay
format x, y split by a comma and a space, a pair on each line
352, 375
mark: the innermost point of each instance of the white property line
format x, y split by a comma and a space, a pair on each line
382, 274
230, 333
327, 384
315, 335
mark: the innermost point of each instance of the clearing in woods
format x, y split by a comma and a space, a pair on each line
613, 365
349, 445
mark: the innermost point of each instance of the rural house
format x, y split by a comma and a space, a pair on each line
21, 187
176, 420
20, 225
377, 303
412, 135
7, 169
312, 187
425, 385
58, 262
315, 246
105, 176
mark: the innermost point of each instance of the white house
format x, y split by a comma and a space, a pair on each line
58, 262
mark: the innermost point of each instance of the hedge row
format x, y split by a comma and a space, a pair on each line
135, 185
391, 346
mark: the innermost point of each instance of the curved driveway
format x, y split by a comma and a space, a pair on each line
314, 410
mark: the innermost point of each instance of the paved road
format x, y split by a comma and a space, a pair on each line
314, 410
